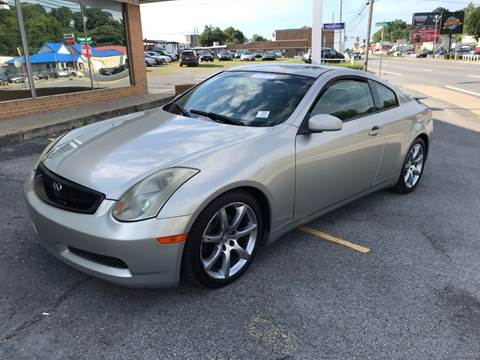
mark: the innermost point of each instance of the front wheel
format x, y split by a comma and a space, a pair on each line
223, 241
412, 169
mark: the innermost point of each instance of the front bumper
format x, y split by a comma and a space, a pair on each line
146, 262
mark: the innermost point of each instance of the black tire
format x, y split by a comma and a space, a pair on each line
192, 267
401, 186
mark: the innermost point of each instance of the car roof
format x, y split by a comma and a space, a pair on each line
312, 71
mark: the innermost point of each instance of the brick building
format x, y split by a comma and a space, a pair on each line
291, 41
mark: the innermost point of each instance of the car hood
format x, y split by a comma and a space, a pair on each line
113, 155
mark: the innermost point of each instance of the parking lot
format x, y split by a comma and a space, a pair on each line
414, 295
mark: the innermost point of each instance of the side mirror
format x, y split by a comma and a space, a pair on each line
324, 122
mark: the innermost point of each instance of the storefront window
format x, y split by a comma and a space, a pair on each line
73, 46
52, 30
106, 31
13, 73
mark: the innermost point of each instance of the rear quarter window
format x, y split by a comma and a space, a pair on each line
386, 97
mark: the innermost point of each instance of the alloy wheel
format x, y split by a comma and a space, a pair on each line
229, 240
413, 166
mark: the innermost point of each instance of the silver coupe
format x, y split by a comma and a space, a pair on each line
193, 189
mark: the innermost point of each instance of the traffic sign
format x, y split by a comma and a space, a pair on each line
334, 26
385, 23
87, 51
81, 40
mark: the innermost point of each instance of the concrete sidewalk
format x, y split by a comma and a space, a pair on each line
23, 128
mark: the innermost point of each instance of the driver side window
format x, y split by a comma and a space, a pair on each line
345, 99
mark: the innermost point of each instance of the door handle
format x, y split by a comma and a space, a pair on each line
374, 130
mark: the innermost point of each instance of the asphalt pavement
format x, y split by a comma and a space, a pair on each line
415, 295
461, 76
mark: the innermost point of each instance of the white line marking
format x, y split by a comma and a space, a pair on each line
390, 73
474, 76
462, 90
428, 70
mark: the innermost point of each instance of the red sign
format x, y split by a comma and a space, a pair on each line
87, 51
420, 35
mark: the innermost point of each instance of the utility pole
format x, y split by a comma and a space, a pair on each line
369, 30
342, 36
317, 26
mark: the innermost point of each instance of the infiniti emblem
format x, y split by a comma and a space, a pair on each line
57, 186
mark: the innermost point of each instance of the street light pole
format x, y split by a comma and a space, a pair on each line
317, 25
369, 30
435, 35
341, 47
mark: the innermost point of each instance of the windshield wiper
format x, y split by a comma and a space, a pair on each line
218, 118
180, 109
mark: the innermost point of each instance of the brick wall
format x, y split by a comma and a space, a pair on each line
25, 107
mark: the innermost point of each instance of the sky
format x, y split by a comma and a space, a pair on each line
172, 20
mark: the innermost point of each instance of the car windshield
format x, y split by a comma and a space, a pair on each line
250, 98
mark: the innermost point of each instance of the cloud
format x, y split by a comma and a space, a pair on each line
173, 20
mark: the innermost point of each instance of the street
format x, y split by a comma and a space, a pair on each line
463, 76
415, 295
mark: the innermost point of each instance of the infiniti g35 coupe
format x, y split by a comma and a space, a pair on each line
194, 188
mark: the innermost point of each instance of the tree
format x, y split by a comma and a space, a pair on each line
258, 38
210, 35
440, 9
398, 30
234, 36
472, 21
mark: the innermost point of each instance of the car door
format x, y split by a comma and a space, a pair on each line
333, 166
394, 124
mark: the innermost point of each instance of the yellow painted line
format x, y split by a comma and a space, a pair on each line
325, 236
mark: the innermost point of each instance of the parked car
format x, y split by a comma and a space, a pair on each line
440, 51
278, 54
424, 53
238, 54
114, 70
463, 50
258, 54
3, 80
17, 79
247, 56
189, 58
224, 56
205, 56
476, 51
328, 56
192, 189
41, 75
269, 55
149, 61
160, 59
59, 73
162, 52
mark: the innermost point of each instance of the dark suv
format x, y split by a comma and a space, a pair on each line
328, 56
189, 58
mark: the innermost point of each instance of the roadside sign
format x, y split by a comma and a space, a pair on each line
385, 23
87, 51
334, 26
69, 39
81, 40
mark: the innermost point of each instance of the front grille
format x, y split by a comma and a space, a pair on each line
99, 259
65, 194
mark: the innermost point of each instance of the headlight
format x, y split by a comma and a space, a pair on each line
145, 199
48, 148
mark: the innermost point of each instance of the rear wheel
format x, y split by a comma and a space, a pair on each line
223, 241
412, 169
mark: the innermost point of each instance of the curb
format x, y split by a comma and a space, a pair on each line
26, 135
